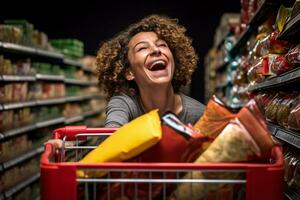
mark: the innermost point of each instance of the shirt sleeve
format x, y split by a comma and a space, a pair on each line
117, 112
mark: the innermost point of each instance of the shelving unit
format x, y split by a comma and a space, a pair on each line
288, 136
291, 30
277, 81
235, 68
261, 14
16, 51
20, 186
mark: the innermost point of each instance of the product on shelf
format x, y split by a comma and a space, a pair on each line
271, 44
10, 33
294, 118
18, 173
14, 147
293, 56
72, 48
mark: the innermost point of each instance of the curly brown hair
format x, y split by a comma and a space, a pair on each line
112, 60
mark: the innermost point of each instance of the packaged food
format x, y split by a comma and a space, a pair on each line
263, 100
243, 139
271, 45
10, 33
272, 108
127, 142
216, 116
258, 71
282, 17
278, 64
293, 56
294, 118
284, 109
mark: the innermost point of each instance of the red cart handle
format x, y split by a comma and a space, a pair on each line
71, 131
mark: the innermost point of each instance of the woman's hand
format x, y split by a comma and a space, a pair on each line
58, 143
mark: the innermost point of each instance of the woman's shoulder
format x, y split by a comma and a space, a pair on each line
191, 102
129, 102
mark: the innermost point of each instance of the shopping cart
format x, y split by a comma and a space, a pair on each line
132, 180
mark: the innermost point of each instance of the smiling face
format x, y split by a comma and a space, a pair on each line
151, 60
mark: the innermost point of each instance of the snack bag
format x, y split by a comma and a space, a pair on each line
127, 142
216, 116
243, 139
293, 56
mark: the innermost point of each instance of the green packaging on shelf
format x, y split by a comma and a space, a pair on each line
55, 69
45, 68
72, 48
70, 72
73, 90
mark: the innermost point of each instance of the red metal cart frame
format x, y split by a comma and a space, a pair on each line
59, 181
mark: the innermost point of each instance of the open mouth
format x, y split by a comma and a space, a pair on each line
158, 65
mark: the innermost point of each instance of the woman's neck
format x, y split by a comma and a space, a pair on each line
162, 98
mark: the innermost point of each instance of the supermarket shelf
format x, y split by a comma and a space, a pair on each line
50, 77
72, 120
281, 80
68, 61
261, 14
50, 101
20, 49
31, 127
291, 31
292, 194
80, 82
49, 54
91, 113
50, 122
222, 67
17, 131
9, 106
288, 136
22, 185
17, 78
21, 158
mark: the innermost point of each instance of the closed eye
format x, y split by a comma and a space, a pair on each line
163, 45
141, 48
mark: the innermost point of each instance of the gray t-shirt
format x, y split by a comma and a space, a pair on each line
121, 109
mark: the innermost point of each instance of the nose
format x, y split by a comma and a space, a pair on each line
155, 50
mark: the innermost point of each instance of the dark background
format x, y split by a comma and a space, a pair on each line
93, 22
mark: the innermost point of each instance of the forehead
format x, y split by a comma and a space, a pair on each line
142, 37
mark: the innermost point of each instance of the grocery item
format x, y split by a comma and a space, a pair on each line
179, 143
271, 45
294, 118
216, 116
243, 139
128, 141
293, 56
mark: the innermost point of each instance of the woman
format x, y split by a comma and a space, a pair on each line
144, 67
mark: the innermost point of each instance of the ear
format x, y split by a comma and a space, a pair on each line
129, 75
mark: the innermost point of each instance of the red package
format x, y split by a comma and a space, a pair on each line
279, 64
271, 44
293, 56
